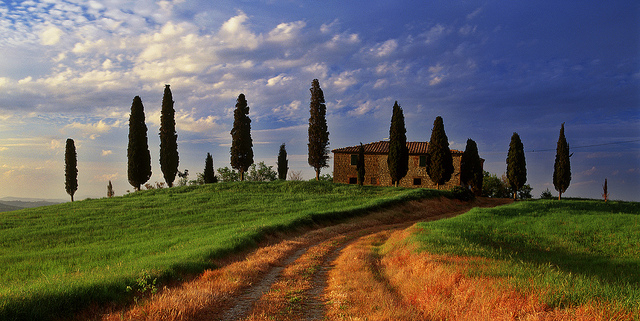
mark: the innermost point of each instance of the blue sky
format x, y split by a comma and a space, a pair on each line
70, 69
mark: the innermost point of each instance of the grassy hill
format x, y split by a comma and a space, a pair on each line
572, 252
59, 259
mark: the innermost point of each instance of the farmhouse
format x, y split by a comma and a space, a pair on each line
377, 171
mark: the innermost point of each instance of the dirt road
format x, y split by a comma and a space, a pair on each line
288, 277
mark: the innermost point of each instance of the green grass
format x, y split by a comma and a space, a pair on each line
59, 259
582, 251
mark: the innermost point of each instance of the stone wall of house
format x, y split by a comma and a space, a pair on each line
377, 172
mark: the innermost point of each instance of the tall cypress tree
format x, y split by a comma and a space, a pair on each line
318, 131
439, 159
562, 166
168, 139
241, 144
138, 155
360, 165
471, 173
209, 174
398, 159
283, 163
516, 165
70, 168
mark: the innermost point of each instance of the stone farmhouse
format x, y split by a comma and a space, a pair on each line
377, 171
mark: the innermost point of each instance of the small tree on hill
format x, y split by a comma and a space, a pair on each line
360, 165
209, 175
318, 131
138, 156
562, 166
168, 139
70, 168
516, 165
283, 163
471, 173
605, 192
110, 192
242, 144
398, 158
439, 158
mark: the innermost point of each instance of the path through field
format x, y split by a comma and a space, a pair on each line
295, 277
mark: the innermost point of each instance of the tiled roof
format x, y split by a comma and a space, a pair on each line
382, 147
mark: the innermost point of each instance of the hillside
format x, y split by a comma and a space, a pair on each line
63, 257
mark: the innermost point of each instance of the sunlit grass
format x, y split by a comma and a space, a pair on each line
63, 258
573, 252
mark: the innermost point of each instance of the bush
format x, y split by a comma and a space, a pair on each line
462, 193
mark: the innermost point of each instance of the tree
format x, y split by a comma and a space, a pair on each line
228, 175
70, 168
605, 192
283, 163
262, 173
398, 158
516, 165
168, 139
360, 165
241, 144
471, 168
562, 166
439, 159
318, 131
138, 156
110, 192
209, 175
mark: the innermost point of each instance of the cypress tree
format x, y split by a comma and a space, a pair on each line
110, 192
138, 156
562, 166
168, 139
241, 144
209, 174
516, 165
360, 165
439, 159
471, 173
283, 163
318, 131
70, 168
398, 159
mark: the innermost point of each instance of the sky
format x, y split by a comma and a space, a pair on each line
71, 68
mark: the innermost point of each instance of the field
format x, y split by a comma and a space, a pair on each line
579, 255
66, 257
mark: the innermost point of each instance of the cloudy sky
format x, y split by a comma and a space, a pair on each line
70, 69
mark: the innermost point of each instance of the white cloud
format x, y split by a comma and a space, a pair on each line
236, 35
278, 80
385, 49
51, 35
435, 33
107, 152
286, 31
344, 80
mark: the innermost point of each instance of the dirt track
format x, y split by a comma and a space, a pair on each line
286, 278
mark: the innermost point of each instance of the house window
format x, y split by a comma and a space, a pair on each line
353, 180
354, 159
417, 181
423, 160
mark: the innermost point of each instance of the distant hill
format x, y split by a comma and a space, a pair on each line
16, 203
7, 208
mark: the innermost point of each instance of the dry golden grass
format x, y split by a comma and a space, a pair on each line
357, 291
440, 288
